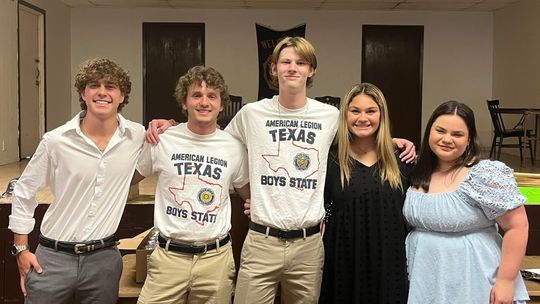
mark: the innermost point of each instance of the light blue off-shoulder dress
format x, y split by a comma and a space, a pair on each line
454, 250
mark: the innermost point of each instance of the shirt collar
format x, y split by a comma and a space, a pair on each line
75, 124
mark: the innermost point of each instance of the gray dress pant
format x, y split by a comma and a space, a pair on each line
90, 278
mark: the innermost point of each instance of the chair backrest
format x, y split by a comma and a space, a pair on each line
230, 110
496, 117
331, 100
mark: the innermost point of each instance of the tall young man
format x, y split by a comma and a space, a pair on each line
88, 164
288, 139
196, 165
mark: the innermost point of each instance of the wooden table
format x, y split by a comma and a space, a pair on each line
533, 287
129, 289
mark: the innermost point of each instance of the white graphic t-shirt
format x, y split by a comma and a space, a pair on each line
195, 173
287, 152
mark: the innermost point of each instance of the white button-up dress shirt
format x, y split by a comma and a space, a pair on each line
90, 187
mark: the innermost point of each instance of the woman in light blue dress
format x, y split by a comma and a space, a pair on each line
454, 206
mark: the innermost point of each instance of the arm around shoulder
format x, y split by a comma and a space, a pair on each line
408, 151
137, 177
243, 191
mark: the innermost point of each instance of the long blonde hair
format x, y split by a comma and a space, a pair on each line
387, 165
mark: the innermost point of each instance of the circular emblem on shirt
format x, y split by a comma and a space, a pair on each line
206, 196
302, 161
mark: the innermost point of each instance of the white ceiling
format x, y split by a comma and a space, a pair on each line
395, 5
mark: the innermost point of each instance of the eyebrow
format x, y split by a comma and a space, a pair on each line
369, 108
457, 131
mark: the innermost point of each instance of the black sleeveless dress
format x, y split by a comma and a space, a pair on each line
364, 238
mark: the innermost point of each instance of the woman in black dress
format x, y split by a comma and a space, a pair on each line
365, 231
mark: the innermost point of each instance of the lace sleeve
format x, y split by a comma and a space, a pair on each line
491, 186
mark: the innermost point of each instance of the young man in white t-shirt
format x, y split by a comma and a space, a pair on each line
288, 138
196, 164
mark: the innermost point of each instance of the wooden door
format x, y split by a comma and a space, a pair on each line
392, 60
31, 79
169, 50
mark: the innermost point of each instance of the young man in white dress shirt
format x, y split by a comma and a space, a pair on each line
196, 164
88, 163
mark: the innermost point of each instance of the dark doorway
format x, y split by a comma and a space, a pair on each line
169, 50
392, 60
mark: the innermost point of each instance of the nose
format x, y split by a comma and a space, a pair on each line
292, 67
101, 90
204, 101
446, 138
362, 116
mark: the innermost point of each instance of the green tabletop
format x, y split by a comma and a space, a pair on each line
532, 194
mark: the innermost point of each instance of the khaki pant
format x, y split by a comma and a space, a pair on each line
295, 264
175, 277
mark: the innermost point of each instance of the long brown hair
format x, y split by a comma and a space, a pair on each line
427, 160
387, 165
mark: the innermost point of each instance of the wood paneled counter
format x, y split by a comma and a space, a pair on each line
138, 216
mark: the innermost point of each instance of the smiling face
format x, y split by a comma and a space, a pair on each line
203, 105
102, 98
363, 117
448, 138
102, 70
291, 70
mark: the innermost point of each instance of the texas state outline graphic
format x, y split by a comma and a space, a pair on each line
182, 197
274, 161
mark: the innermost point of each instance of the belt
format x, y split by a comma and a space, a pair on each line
285, 234
190, 248
78, 247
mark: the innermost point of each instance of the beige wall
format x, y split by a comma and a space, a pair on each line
9, 150
457, 49
516, 62
57, 64
57, 48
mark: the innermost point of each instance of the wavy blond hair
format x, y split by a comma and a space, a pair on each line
387, 166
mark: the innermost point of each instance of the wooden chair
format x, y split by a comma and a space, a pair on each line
331, 100
500, 132
229, 111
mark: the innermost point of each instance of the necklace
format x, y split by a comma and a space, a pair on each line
357, 145
100, 144
301, 117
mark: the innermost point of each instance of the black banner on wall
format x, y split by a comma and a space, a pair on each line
266, 41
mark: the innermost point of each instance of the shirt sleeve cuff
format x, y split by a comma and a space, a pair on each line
20, 225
